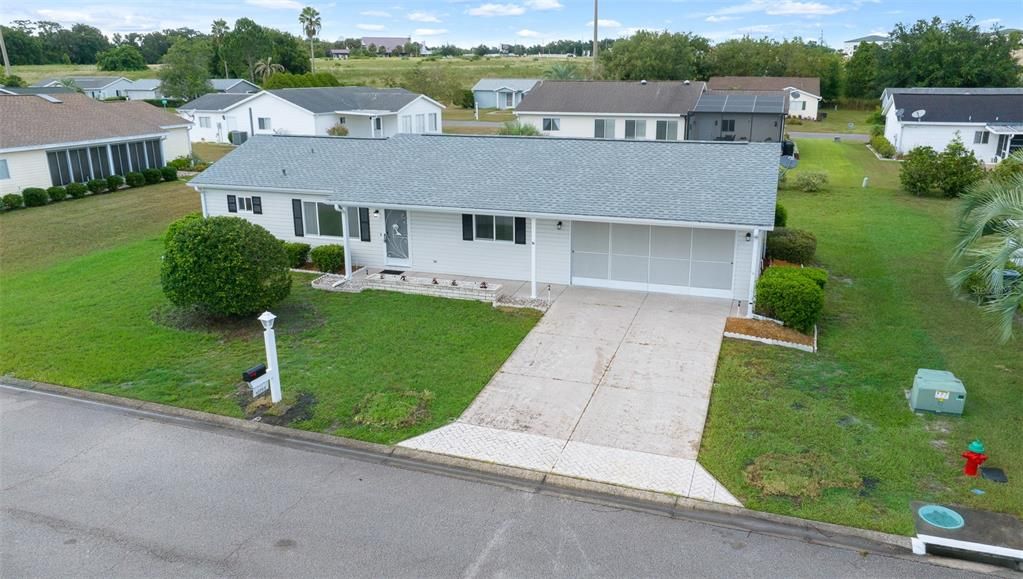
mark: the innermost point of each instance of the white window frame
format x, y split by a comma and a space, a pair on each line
244, 204
638, 129
493, 228
420, 123
433, 122
723, 129
316, 211
981, 137
406, 123
264, 123
667, 125
204, 122
5, 169
606, 123
551, 124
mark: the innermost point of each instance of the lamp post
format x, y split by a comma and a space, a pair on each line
270, 342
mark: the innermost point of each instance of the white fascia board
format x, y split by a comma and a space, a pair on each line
421, 97
801, 91
49, 146
624, 115
363, 113
910, 122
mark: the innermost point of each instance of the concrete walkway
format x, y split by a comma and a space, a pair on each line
610, 386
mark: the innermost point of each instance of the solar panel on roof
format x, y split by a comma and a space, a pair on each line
741, 103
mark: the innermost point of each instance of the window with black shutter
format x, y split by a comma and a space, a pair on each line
467, 232
296, 215
364, 224
232, 204
257, 205
520, 230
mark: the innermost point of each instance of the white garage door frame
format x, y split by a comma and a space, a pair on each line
650, 255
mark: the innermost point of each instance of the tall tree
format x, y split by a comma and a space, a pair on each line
124, 57
245, 45
218, 32
84, 43
185, 73
861, 72
650, 55
310, 20
266, 67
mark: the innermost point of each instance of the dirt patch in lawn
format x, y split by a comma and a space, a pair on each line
293, 408
292, 317
764, 329
802, 476
393, 409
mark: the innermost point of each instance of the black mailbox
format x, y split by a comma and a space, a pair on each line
254, 372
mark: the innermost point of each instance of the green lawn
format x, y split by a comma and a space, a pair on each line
888, 312
836, 122
82, 306
211, 152
31, 73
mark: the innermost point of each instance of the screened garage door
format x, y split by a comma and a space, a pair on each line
653, 258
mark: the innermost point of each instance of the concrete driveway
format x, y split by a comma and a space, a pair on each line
610, 386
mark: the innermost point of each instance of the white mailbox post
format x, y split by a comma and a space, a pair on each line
272, 370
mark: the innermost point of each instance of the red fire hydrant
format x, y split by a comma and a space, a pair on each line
975, 457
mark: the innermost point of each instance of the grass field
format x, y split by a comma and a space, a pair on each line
836, 122
211, 152
840, 416
82, 306
36, 72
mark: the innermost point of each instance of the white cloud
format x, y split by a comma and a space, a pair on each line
371, 27
544, 4
430, 31
497, 10
721, 18
527, 33
420, 16
275, 4
780, 8
606, 23
375, 14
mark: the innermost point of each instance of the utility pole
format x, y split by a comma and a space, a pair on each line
3, 49
595, 39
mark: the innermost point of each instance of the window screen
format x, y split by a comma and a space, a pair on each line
330, 220
635, 129
120, 155
504, 228
484, 227
137, 151
80, 170
667, 131
60, 171
604, 129
728, 125
552, 124
100, 162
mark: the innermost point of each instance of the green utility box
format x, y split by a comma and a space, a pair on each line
937, 391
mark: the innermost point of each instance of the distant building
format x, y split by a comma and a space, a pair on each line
850, 45
391, 44
97, 87
339, 53
804, 93
502, 93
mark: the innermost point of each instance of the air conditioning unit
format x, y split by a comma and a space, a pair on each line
237, 137
937, 391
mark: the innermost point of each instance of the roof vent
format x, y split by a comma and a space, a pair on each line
642, 82
685, 82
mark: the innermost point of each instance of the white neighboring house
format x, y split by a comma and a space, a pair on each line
804, 93
672, 217
234, 85
501, 93
367, 112
641, 110
143, 89
56, 139
849, 46
97, 87
989, 121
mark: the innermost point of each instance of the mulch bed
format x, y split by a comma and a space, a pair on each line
765, 329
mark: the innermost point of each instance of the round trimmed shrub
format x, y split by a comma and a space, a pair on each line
152, 176
791, 245
298, 253
135, 179
169, 173
76, 190
781, 215
12, 201
114, 182
787, 294
57, 193
96, 186
328, 258
811, 182
181, 222
224, 266
35, 196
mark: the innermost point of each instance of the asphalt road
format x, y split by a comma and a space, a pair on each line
94, 490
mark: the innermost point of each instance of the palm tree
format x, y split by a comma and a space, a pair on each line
310, 21
990, 243
562, 71
70, 84
266, 67
218, 32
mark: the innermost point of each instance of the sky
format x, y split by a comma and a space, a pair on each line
492, 22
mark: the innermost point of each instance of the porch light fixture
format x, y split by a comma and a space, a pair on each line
376, 213
749, 236
267, 319
559, 226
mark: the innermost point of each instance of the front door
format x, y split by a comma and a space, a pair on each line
396, 237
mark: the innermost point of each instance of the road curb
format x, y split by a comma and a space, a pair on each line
676, 506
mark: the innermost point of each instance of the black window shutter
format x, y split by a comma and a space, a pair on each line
364, 224
232, 204
257, 205
520, 230
296, 214
466, 227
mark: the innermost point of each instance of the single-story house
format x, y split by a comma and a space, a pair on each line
989, 121
366, 111
234, 85
390, 44
804, 93
654, 110
501, 93
35, 90
849, 46
63, 138
673, 217
728, 116
339, 53
97, 87
144, 88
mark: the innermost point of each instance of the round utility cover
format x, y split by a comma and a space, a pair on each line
788, 161
794, 94
941, 517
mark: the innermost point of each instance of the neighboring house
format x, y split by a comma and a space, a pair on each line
144, 88
727, 116
391, 44
35, 90
673, 217
989, 121
849, 46
501, 93
339, 53
641, 110
804, 93
366, 112
56, 139
97, 87
234, 85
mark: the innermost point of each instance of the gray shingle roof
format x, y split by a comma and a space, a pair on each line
238, 85
214, 101
962, 108
83, 82
347, 98
515, 84
807, 84
725, 183
145, 84
593, 96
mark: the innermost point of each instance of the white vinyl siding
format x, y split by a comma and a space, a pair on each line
264, 124
433, 122
5, 170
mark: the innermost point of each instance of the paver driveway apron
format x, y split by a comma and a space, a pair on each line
610, 386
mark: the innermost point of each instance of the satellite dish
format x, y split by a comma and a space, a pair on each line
918, 114
795, 94
900, 112
788, 161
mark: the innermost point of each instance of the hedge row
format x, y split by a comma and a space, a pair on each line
37, 196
